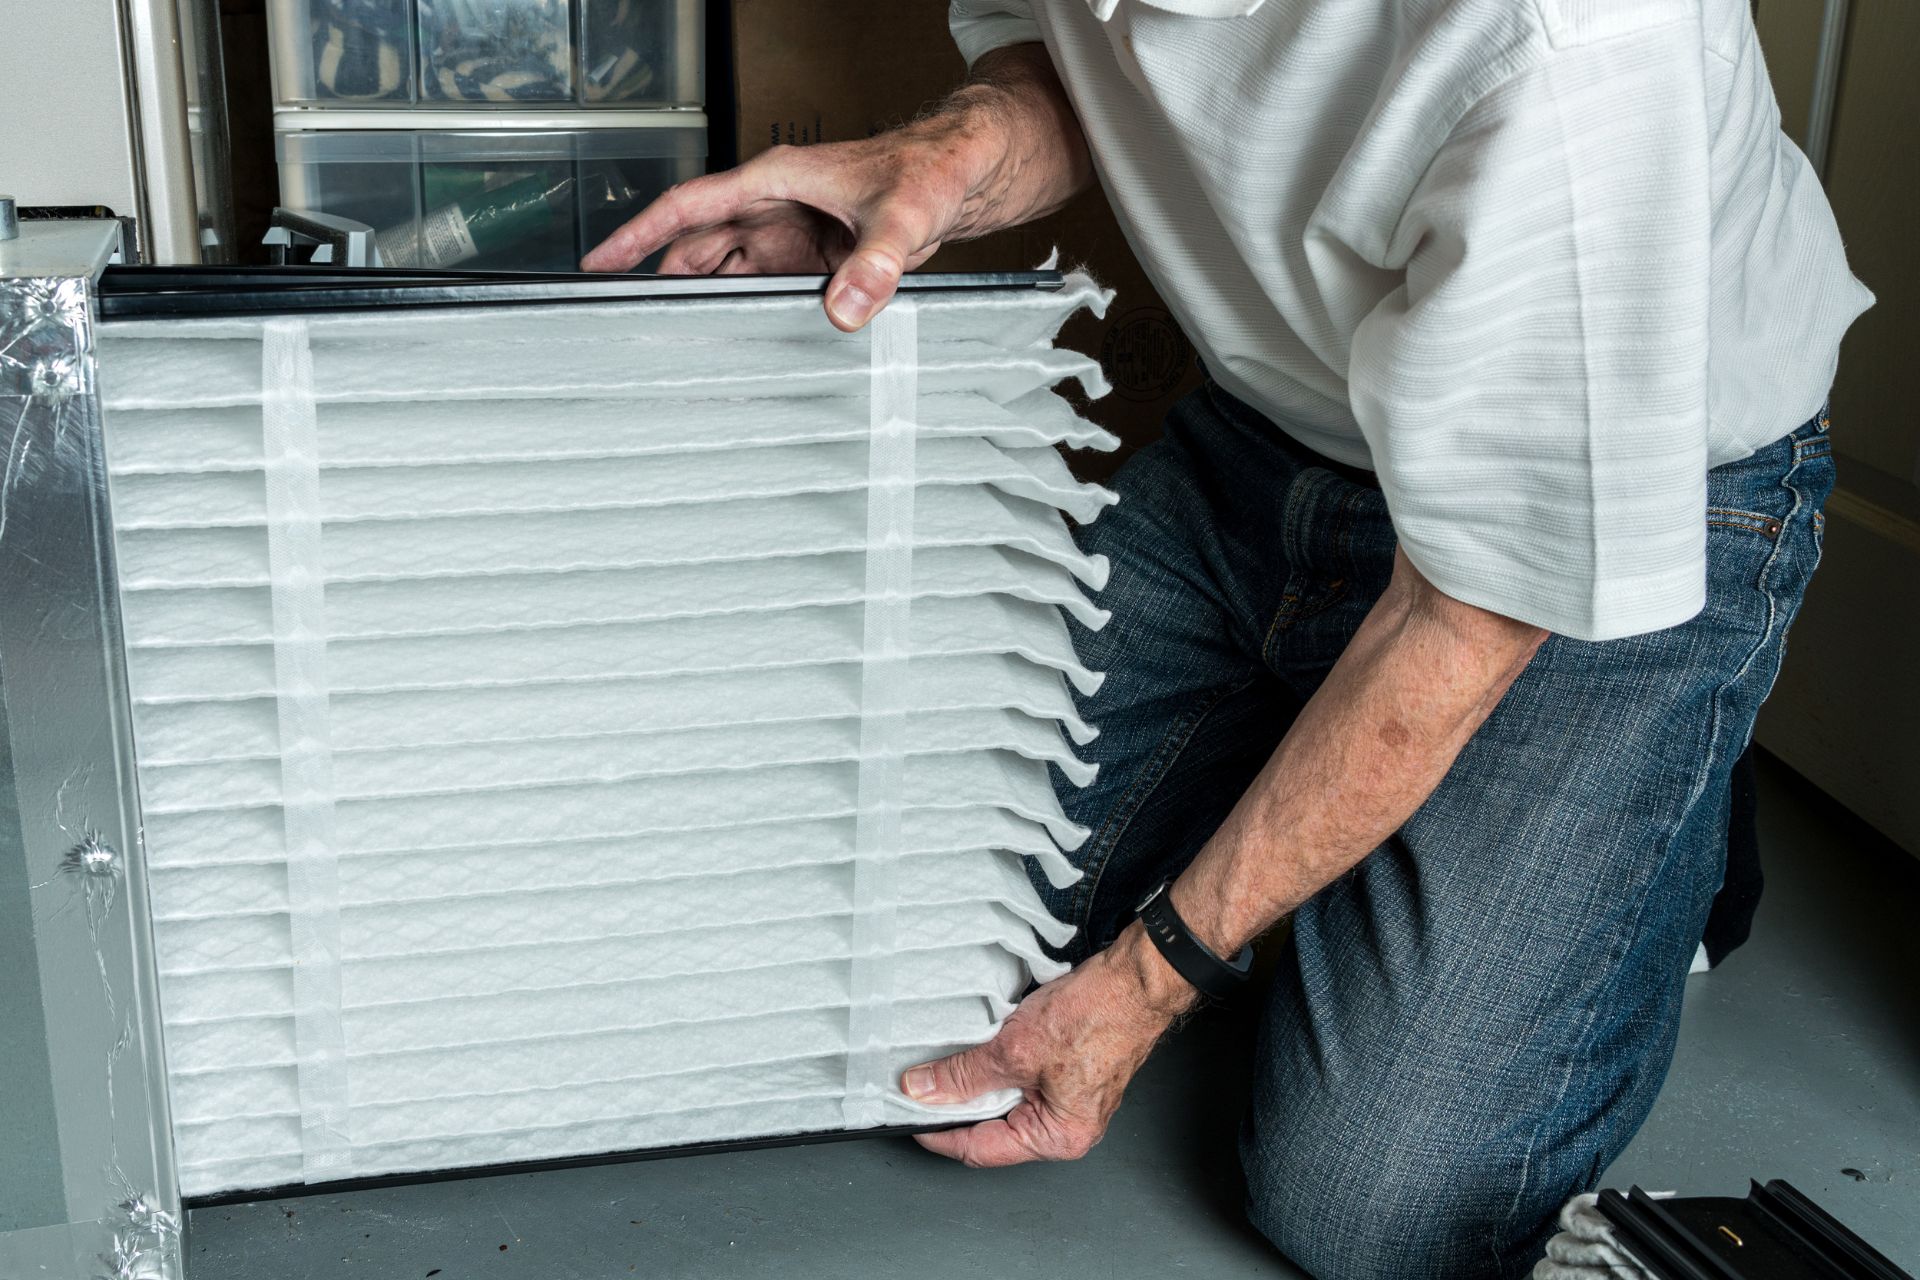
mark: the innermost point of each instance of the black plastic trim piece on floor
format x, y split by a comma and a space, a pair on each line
374, 1182
1776, 1233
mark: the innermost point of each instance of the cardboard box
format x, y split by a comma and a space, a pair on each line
808, 72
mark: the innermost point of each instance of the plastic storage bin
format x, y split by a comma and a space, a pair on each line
523, 200
489, 53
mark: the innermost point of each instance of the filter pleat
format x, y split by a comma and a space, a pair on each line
728, 642
189, 373
185, 616
210, 441
572, 542
692, 686
182, 788
246, 728
236, 499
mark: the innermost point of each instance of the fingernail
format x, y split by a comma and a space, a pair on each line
919, 1082
850, 305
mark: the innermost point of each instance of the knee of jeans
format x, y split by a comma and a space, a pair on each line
1405, 1210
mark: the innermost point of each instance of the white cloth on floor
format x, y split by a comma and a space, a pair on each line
1586, 1248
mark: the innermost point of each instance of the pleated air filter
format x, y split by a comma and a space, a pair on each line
576, 729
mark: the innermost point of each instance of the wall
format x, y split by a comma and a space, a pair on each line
1846, 712
63, 107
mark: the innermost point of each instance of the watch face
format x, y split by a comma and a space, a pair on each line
1147, 901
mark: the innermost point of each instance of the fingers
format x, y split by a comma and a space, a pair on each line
991, 1144
962, 1077
1034, 1130
700, 253
691, 206
895, 238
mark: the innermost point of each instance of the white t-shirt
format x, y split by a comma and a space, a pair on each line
1538, 263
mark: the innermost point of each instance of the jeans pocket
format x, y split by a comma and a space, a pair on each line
1743, 521
1811, 482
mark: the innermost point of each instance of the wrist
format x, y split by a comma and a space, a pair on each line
968, 143
1007, 140
1156, 986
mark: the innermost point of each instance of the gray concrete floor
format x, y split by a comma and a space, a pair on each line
1799, 1059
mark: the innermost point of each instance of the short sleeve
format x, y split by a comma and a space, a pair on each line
981, 26
1534, 395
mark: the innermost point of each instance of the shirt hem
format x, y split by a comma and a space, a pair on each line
1617, 610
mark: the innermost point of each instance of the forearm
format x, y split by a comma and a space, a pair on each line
1418, 679
1014, 139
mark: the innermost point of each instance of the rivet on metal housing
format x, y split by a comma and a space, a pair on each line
92, 857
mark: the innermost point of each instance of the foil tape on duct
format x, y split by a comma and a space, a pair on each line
534, 773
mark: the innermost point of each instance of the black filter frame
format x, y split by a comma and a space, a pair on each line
1775, 1233
148, 293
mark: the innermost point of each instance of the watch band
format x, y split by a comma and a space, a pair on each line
1191, 958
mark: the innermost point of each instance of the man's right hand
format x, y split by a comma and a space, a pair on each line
1001, 151
863, 212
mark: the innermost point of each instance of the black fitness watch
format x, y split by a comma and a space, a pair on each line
1191, 958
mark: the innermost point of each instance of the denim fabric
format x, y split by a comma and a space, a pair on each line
1467, 1027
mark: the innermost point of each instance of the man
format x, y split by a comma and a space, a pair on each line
1442, 613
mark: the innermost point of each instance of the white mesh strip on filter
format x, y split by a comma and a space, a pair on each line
883, 708
290, 448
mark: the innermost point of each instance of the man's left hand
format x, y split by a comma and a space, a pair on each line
1070, 1048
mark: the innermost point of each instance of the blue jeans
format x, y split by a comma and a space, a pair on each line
1468, 1026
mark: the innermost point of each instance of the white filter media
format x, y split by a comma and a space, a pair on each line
578, 729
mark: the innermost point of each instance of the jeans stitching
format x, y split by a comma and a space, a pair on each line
1107, 839
1290, 612
1282, 618
1768, 529
1343, 534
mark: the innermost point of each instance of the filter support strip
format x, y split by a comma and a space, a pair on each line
292, 466
883, 700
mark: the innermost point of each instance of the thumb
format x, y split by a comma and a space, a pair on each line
866, 281
960, 1078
